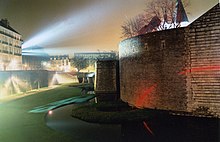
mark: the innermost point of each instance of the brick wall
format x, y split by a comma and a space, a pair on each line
177, 69
106, 79
149, 67
204, 77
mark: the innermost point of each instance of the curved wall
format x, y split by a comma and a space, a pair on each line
149, 69
176, 69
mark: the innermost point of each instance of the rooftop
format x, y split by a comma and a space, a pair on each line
5, 23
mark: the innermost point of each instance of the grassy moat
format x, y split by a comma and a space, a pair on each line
118, 112
113, 113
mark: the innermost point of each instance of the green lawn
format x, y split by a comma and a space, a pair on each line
17, 125
114, 113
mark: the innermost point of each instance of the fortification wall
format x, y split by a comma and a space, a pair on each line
204, 73
13, 82
149, 70
107, 79
176, 69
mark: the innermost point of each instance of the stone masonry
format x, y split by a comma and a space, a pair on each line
176, 69
107, 79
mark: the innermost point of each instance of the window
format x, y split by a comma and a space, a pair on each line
146, 46
162, 45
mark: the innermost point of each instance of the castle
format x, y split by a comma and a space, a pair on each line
176, 69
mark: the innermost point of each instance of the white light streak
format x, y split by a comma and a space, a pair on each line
71, 26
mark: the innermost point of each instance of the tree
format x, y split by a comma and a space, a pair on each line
170, 12
79, 63
158, 15
164, 10
127, 29
131, 26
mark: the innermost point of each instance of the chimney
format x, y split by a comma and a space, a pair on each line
5, 22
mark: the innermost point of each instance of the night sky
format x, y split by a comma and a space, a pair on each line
78, 25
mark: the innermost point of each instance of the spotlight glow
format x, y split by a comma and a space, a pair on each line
205, 68
50, 112
13, 85
63, 78
71, 26
54, 80
140, 100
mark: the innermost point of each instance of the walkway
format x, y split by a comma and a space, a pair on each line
18, 125
61, 120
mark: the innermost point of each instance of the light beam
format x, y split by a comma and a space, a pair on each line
72, 26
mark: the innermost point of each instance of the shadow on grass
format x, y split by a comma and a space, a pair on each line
113, 113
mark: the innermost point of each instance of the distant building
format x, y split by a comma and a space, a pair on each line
96, 55
59, 63
10, 47
92, 57
34, 58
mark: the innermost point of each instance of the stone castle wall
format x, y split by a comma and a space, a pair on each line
13, 82
204, 76
176, 69
107, 79
149, 67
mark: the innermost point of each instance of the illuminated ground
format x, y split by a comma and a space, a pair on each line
18, 125
57, 104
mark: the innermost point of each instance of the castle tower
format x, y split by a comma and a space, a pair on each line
180, 13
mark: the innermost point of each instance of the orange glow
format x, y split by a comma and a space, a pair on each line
148, 128
140, 100
207, 68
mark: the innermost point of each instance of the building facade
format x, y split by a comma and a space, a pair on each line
176, 70
59, 63
34, 58
96, 55
10, 47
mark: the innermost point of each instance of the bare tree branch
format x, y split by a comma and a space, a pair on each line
163, 11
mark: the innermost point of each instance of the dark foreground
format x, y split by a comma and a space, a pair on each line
156, 129
19, 125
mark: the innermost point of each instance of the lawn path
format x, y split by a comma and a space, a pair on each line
18, 125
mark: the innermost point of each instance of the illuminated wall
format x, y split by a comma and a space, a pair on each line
203, 78
15, 82
107, 79
96, 55
149, 67
92, 57
10, 47
176, 69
